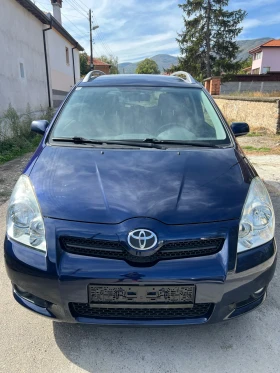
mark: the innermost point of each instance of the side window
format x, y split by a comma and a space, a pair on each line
206, 115
211, 117
67, 56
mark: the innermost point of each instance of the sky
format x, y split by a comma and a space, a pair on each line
137, 29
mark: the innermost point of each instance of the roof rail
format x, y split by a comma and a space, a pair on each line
188, 77
92, 75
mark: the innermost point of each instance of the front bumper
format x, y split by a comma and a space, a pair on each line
230, 284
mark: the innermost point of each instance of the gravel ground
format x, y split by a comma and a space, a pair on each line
269, 142
9, 173
268, 167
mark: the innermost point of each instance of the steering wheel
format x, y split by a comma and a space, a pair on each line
170, 125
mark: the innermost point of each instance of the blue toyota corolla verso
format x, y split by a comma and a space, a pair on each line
139, 208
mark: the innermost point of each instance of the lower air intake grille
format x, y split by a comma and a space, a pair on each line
115, 250
84, 310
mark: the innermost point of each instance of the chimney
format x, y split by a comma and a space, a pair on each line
57, 5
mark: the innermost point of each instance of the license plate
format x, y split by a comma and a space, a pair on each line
141, 296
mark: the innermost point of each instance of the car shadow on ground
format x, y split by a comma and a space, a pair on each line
169, 349
246, 344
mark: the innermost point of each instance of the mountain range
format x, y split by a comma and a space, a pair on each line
164, 61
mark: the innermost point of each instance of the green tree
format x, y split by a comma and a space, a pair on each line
147, 66
207, 44
113, 61
244, 64
84, 67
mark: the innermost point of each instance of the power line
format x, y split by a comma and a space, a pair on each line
80, 30
76, 6
95, 52
100, 45
70, 15
72, 5
106, 46
83, 4
96, 46
79, 5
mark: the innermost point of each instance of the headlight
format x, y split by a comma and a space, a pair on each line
257, 224
24, 219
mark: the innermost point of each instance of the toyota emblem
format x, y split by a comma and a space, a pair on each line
142, 239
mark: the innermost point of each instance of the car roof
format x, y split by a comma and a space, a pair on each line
139, 80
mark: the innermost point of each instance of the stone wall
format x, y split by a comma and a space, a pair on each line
259, 113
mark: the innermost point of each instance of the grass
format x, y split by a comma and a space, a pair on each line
258, 131
5, 194
254, 149
16, 139
254, 134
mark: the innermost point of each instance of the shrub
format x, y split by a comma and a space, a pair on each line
16, 138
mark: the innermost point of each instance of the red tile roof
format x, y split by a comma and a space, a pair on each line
272, 43
98, 62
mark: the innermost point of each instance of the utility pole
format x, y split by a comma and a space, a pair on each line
90, 31
208, 38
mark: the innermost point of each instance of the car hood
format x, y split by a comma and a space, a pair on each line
109, 186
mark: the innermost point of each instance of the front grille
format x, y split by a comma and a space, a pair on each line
84, 310
115, 250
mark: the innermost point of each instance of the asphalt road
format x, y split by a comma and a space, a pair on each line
30, 343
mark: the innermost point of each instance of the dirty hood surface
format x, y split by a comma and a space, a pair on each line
190, 186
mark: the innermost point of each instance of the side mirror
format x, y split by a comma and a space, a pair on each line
39, 126
240, 128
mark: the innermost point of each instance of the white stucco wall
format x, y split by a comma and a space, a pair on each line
62, 77
21, 40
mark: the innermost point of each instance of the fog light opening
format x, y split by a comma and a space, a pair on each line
259, 293
232, 306
30, 297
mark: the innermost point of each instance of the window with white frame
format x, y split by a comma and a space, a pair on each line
258, 56
21, 70
67, 56
266, 70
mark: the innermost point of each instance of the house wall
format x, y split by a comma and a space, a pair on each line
271, 58
21, 41
62, 77
104, 68
259, 113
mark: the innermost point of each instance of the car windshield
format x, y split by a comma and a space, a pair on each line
140, 113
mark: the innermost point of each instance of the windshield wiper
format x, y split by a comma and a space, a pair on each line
77, 140
134, 143
203, 144
139, 143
